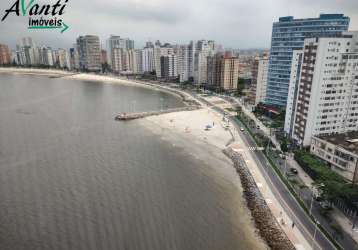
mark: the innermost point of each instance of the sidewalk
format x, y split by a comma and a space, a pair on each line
263, 128
293, 233
337, 215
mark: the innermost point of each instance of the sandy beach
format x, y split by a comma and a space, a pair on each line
186, 131
107, 79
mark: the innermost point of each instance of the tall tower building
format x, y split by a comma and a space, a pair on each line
324, 88
89, 51
169, 66
204, 49
183, 62
222, 72
148, 59
116, 42
288, 34
260, 79
25, 42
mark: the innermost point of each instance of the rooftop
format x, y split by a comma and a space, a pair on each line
348, 141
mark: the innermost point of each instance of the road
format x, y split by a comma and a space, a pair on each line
279, 189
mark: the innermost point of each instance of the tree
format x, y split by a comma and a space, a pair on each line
284, 146
240, 86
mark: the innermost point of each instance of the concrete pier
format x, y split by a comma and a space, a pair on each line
132, 116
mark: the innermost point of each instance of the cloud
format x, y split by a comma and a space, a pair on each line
233, 23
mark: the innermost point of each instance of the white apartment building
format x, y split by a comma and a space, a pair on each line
148, 60
183, 62
261, 80
137, 69
117, 60
327, 89
203, 50
116, 42
297, 59
63, 59
340, 151
158, 53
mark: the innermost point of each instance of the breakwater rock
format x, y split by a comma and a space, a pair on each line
265, 222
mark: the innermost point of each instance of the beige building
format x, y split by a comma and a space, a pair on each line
340, 151
222, 72
5, 56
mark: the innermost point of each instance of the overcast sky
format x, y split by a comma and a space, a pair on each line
232, 23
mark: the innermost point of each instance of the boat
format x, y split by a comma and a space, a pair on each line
121, 116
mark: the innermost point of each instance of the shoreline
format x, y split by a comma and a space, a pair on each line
218, 137
107, 79
185, 131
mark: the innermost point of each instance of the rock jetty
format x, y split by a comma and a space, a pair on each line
265, 222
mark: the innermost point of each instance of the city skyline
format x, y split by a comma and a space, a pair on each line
175, 22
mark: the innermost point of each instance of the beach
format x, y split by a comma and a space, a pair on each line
201, 133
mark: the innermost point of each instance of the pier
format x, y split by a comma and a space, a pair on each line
132, 116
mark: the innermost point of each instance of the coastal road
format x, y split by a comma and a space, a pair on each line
279, 189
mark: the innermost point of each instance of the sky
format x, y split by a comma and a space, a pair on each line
233, 23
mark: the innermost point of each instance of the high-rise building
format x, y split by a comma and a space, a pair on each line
183, 62
138, 60
74, 58
5, 55
222, 72
149, 44
148, 59
63, 59
168, 65
89, 50
259, 79
129, 43
288, 34
47, 56
118, 63
25, 42
191, 60
118, 43
203, 50
104, 58
324, 88
158, 53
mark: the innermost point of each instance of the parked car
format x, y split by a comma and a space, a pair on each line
325, 204
242, 129
294, 171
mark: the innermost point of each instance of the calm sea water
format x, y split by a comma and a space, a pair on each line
73, 178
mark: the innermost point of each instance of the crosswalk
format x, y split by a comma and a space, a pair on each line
242, 149
255, 148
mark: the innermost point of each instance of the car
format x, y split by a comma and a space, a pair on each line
242, 129
294, 171
257, 127
325, 205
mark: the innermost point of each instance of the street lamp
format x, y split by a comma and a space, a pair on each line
319, 185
